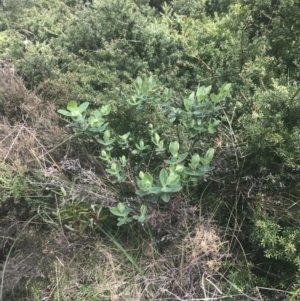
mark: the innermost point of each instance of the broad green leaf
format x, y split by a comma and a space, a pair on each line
155, 139
161, 144
201, 97
123, 221
114, 169
181, 157
83, 107
141, 218
138, 84
178, 160
115, 211
194, 161
72, 106
209, 154
93, 122
64, 112
175, 188
179, 168
226, 87
199, 172
192, 96
121, 207
165, 197
167, 94
105, 143
142, 192
123, 161
148, 179
172, 188
77, 116
166, 189
173, 148
106, 135
132, 101
143, 209
145, 183
188, 104
172, 168
207, 90
105, 110
202, 93
97, 114
151, 83
155, 190
125, 136
163, 177
141, 145
173, 179
105, 156
120, 177
99, 129
214, 98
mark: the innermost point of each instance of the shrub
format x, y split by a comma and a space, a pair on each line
162, 172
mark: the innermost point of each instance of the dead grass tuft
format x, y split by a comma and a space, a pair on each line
29, 128
191, 266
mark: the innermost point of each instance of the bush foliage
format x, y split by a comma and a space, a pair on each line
145, 87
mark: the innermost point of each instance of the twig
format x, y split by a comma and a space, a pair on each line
15, 139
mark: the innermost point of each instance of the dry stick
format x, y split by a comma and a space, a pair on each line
128, 173
15, 139
37, 159
41, 145
203, 287
214, 286
7, 136
273, 289
48, 152
233, 137
202, 62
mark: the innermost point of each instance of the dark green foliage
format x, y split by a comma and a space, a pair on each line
272, 130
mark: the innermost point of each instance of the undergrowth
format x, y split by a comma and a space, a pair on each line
161, 188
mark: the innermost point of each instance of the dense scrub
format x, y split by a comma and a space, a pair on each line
244, 207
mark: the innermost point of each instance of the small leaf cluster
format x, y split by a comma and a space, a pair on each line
74, 214
122, 211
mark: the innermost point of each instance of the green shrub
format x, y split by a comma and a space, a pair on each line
154, 162
271, 133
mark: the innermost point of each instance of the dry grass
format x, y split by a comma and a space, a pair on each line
94, 269
29, 129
